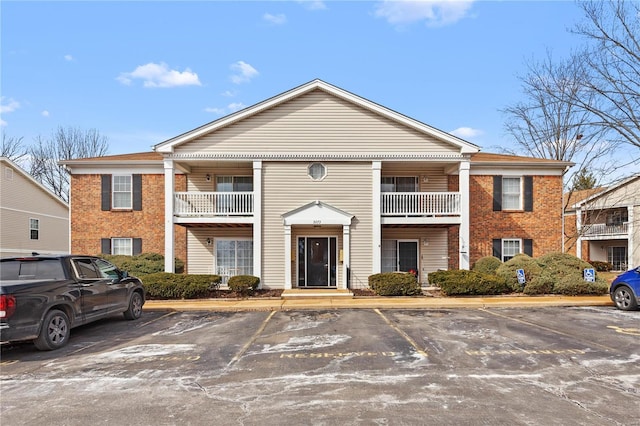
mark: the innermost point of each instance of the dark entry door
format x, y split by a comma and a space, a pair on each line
317, 261
407, 256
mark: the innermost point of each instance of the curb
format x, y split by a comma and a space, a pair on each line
271, 304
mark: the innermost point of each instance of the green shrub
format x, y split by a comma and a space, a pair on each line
462, 282
243, 284
542, 284
601, 266
394, 284
507, 271
435, 278
143, 264
575, 285
164, 285
487, 265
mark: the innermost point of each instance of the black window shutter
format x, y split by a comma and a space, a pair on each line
497, 193
497, 248
106, 192
528, 193
528, 247
137, 192
105, 245
137, 246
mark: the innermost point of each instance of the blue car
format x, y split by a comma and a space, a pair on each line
625, 290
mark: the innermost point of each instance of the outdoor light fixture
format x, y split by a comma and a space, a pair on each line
208, 241
208, 177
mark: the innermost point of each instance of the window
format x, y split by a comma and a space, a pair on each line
106, 269
122, 246
85, 268
509, 249
122, 192
34, 229
399, 255
234, 257
234, 183
511, 194
506, 248
399, 184
617, 217
8, 173
317, 171
617, 256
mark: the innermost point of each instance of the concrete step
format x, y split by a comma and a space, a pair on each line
314, 293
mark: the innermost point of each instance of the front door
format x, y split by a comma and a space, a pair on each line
407, 256
317, 261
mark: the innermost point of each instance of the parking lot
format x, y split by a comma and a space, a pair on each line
547, 365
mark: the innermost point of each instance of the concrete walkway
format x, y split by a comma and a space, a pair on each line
278, 304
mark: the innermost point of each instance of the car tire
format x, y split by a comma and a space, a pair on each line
135, 307
55, 330
624, 298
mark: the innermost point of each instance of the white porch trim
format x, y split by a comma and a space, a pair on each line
317, 213
463, 188
169, 238
376, 210
257, 220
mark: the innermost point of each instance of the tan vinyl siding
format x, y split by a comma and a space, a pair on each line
316, 123
197, 178
347, 186
200, 254
433, 255
23, 199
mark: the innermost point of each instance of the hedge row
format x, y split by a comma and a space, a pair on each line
143, 264
394, 284
164, 285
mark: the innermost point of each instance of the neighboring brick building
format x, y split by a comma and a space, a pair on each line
317, 187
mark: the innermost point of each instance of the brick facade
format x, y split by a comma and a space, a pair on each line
89, 223
543, 225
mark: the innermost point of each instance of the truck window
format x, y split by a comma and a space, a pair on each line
32, 269
106, 269
85, 268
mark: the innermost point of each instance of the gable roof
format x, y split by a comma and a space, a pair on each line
6, 161
169, 145
604, 191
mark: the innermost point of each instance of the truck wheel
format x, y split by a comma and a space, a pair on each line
135, 307
55, 330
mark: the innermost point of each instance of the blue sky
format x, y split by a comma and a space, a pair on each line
141, 72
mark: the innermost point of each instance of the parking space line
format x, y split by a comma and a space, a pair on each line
253, 339
402, 333
561, 333
157, 319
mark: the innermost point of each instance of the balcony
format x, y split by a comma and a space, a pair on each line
604, 230
420, 207
213, 205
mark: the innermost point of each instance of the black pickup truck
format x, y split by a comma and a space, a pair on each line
43, 297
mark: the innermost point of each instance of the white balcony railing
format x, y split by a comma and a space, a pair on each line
602, 229
420, 203
213, 204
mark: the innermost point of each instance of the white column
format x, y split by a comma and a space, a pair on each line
579, 232
257, 220
346, 254
463, 188
287, 257
376, 211
169, 238
630, 240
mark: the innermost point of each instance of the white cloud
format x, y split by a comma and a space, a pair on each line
8, 105
68, 58
2, 123
229, 94
313, 4
45, 113
244, 72
278, 19
159, 75
232, 107
466, 132
435, 13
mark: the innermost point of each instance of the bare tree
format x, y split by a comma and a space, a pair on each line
549, 124
13, 148
64, 144
612, 31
